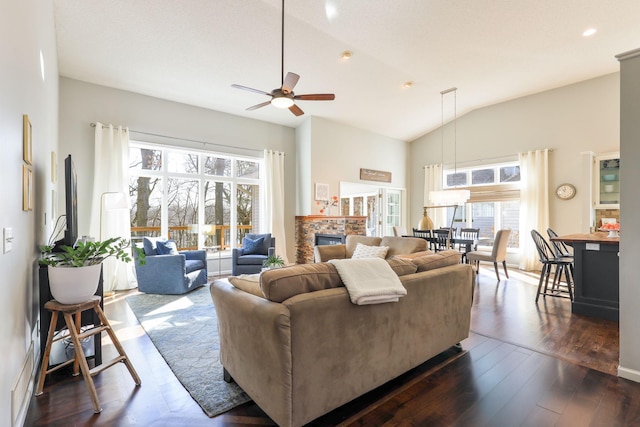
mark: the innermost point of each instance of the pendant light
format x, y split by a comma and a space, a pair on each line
453, 196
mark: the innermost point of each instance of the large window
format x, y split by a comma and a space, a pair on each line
494, 202
196, 198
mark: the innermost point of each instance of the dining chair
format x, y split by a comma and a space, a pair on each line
442, 239
497, 254
469, 234
399, 231
548, 259
426, 235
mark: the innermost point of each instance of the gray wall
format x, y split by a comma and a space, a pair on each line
570, 120
26, 33
83, 103
629, 250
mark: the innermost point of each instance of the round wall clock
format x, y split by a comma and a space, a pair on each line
566, 191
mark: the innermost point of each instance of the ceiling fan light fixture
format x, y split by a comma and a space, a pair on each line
282, 102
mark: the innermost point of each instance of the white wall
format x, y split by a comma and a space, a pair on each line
629, 250
26, 29
337, 152
83, 103
570, 119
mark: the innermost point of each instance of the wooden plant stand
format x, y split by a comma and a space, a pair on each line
79, 361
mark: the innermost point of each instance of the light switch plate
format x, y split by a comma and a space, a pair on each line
7, 238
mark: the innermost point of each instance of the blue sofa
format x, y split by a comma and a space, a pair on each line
168, 271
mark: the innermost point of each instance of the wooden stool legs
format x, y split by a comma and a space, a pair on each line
79, 361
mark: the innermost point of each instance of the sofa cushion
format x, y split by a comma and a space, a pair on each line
251, 259
352, 240
280, 284
166, 247
365, 251
403, 245
253, 246
402, 266
414, 255
437, 260
193, 265
248, 282
266, 243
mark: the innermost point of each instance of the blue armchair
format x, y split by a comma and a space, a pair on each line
168, 271
249, 258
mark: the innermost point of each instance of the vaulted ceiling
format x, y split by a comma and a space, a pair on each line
493, 50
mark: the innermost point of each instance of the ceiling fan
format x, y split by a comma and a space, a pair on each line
284, 97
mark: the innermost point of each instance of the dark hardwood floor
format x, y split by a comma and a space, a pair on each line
522, 365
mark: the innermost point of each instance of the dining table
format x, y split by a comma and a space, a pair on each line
468, 243
596, 274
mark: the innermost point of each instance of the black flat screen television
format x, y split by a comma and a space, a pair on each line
71, 204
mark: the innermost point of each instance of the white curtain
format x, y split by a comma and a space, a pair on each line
433, 182
109, 216
534, 203
274, 200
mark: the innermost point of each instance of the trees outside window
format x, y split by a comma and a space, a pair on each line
187, 195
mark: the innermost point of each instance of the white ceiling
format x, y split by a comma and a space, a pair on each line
191, 51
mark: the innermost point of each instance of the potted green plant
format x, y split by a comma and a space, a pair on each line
273, 261
74, 272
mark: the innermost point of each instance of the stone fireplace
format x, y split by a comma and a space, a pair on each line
339, 226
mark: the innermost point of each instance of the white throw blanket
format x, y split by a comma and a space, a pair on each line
369, 280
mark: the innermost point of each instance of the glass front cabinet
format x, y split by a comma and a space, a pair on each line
607, 181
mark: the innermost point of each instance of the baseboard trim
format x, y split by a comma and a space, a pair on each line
629, 374
23, 388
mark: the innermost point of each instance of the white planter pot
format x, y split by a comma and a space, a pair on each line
73, 285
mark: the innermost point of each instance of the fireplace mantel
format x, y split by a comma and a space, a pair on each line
307, 226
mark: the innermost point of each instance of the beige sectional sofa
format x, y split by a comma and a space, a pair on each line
300, 348
397, 246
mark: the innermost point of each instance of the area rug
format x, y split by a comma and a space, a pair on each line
184, 329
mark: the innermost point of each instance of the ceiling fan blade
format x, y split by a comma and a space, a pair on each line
289, 82
250, 89
316, 97
262, 104
296, 110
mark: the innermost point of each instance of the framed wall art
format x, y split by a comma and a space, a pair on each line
27, 188
374, 175
322, 191
27, 141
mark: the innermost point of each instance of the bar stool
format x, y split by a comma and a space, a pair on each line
548, 260
79, 360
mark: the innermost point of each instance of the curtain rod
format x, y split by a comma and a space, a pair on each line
505, 157
186, 139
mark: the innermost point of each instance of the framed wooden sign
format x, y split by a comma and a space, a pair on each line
374, 175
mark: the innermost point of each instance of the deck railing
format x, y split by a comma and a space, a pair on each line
187, 240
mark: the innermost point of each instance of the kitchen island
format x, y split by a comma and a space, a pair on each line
596, 274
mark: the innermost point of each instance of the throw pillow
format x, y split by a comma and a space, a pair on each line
253, 247
266, 243
149, 244
167, 247
364, 251
249, 283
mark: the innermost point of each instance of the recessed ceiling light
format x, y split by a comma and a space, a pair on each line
346, 55
589, 32
407, 85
